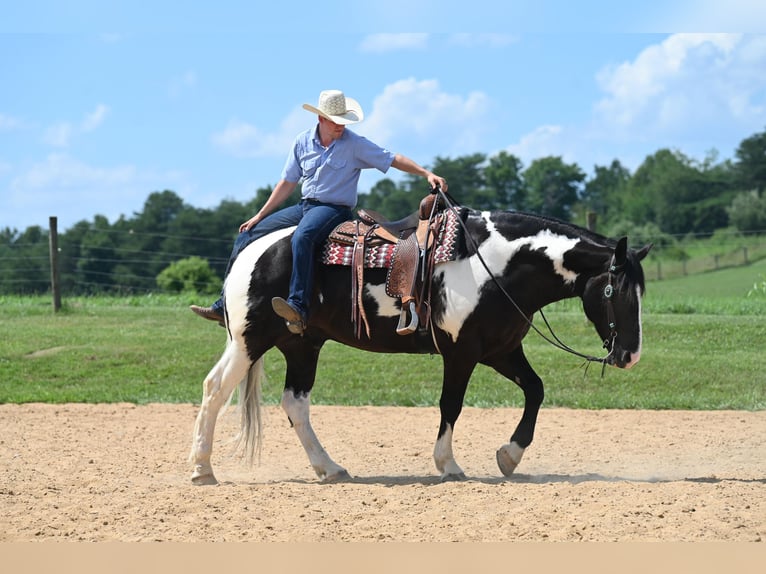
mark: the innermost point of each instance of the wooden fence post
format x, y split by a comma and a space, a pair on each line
53, 247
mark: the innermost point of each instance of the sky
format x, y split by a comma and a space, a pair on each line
103, 103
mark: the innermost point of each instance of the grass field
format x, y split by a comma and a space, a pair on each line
703, 349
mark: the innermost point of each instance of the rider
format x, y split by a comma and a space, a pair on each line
328, 159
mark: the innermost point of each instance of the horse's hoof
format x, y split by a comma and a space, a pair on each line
204, 480
453, 477
340, 476
509, 457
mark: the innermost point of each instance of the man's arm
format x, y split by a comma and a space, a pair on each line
278, 195
405, 164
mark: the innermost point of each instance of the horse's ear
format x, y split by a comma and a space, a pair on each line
621, 251
641, 253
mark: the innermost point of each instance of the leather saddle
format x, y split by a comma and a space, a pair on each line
411, 241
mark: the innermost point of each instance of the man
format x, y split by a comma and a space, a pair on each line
328, 159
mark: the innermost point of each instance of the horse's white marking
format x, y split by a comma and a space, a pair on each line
297, 408
443, 457
238, 281
463, 280
230, 369
509, 457
636, 356
386, 304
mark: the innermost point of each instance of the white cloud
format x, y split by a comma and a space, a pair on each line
711, 15
381, 43
60, 134
181, 83
65, 186
245, 140
8, 123
61, 171
687, 82
95, 118
542, 142
411, 111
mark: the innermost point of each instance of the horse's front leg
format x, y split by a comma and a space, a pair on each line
297, 408
456, 376
516, 367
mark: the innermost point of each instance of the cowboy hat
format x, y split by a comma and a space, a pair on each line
337, 108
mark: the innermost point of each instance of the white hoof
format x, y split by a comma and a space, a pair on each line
341, 476
509, 457
203, 475
204, 480
453, 477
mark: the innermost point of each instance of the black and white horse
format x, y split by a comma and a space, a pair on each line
508, 266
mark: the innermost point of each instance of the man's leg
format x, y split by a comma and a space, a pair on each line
315, 226
286, 217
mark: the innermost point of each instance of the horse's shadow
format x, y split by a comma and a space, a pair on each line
432, 480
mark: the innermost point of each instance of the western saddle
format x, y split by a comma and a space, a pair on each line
410, 245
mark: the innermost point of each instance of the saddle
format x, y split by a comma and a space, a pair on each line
407, 247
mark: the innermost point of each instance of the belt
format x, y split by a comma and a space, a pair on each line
317, 202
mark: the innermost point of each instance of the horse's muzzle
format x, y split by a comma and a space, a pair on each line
623, 359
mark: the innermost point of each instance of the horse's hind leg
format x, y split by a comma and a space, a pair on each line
297, 409
302, 356
219, 384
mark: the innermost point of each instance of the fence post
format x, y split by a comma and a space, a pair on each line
591, 218
53, 247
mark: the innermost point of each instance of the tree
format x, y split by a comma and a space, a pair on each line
553, 186
97, 256
389, 199
680, 195
748, 212
603, 193
751, 162
189, 275
465, 179
504, 184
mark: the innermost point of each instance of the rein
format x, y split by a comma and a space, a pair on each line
553, 339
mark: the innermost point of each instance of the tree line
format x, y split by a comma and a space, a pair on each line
668, 196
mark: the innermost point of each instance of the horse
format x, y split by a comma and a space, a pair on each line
507, 266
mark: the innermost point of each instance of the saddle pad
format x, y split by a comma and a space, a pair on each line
380, 256
377, 256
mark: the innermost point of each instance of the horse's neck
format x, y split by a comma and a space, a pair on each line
556, 259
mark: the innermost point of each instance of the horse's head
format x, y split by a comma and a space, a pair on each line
612, 301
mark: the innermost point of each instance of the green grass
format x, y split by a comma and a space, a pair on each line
703, 349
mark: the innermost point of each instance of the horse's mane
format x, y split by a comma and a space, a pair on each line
567, 227
633, 272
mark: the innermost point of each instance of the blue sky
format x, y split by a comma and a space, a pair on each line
102, 103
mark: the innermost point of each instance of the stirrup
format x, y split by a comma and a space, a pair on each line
402, 328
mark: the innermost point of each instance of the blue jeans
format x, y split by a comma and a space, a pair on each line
315, 221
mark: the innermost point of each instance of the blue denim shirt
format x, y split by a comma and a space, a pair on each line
331, 174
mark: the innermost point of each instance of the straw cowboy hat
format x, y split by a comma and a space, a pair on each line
336, 107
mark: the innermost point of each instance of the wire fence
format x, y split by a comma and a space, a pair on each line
26, 267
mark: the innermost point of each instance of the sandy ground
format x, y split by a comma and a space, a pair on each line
120, 473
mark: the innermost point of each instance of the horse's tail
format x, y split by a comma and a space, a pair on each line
251, 423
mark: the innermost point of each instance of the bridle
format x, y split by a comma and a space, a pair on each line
608, 296
552, 338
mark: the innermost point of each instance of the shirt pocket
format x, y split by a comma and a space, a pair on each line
337, 162
309, 167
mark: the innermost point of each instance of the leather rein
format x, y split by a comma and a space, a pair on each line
552, 339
